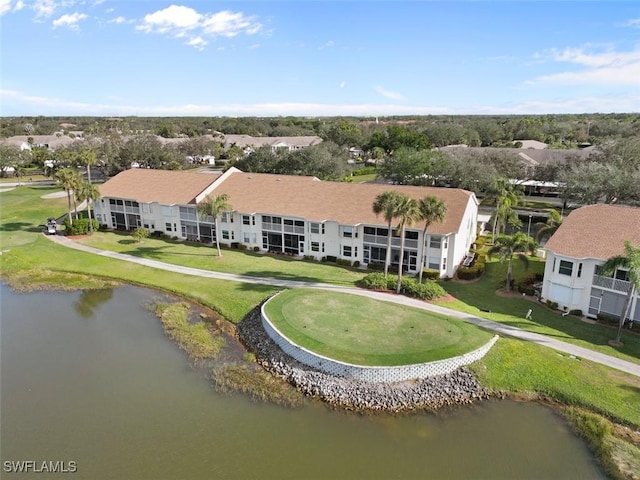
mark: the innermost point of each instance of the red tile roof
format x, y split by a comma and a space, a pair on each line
167, 187
286, 195
596, 231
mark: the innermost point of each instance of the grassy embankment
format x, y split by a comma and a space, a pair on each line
363, 331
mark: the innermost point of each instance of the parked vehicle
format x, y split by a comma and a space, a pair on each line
52, 226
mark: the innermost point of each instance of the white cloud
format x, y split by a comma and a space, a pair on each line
119, 20
179, 21
197, 42
608, 68
634, 23
44, 8
19, 104
7, 6
388, 94
343, 84
69, 20
328, 44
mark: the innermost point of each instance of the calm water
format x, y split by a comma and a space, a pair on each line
91, 378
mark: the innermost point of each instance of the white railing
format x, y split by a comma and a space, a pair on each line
272, 226
611, 283
293, 229
395, 241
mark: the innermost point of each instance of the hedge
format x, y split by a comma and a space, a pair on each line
80, 226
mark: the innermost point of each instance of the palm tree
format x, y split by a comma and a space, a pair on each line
89, 192
386, 203
19, 171
431, 210
505, 196
89, 159
68, 179
629, 261
548, 228
214, 205
506, 246
408, 211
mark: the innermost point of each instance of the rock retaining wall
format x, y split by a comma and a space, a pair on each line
371, 374
455, 388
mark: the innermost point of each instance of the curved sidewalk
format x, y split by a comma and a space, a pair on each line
568, 348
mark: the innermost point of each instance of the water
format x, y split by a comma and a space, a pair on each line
91, 378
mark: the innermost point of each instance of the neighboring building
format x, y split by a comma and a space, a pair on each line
289, 214
585, 240
50, 142
249, 143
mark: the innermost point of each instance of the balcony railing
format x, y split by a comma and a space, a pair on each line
395, 241
294, 229
611, 283
277, 227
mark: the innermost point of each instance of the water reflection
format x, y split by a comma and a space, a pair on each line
89, 300
116, 396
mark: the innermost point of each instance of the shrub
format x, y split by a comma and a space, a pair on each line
140, 234
256, 248
576, 312
424, 291
308, 257
356, 263
431, 274
331, 258
241, 246
363, 171
80, 226
375, 266
552, 304
344, 262
374, 281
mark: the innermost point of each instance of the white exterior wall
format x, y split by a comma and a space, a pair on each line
457, 244
571, 292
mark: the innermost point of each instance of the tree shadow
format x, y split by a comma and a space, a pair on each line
15, 226
282, 276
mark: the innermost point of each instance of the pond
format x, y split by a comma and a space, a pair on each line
90, 378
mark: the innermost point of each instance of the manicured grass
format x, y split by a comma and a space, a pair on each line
363, 331
364, 178
232, 261
522, 367
23, 213
473, 297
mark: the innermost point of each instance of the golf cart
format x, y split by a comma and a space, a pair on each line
52, 226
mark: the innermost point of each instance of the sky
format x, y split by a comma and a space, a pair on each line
318, 58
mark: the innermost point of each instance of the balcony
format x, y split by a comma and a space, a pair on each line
395, 241
611, 283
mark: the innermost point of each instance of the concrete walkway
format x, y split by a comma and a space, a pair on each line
564, 347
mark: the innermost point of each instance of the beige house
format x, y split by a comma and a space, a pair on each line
585, 240
295, 215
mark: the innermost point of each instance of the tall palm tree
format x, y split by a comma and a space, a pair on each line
408, 211
431, 210
68, 179
89, 192
548, 228
505, 196
630, 260
386, 203
214, 205
506, 246
89, 159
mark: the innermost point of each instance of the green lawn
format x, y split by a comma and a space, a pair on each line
526, 368
232, 261
363, 331
473, 297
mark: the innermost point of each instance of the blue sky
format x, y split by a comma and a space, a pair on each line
318, 58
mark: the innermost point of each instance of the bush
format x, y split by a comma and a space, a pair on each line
331, 258
576, 312
475, 270
80, 226
552, 304
241, 246
344, 262
363, 171
356, 264
140, 234
256, 248
424, 291
431, 274
374, 281
375, 266
308, 257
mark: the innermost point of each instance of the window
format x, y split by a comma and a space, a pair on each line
167, 227
314, 228
579, 274
224, 217
346, 251
315, 246
622, 275
566, 268
246, 220
411, 235
246, 237
444, 263
434, 263
225, 234
347, 231
435, 242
